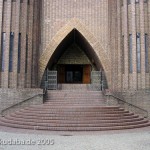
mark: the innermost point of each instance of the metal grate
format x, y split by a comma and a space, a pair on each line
96, 80
104, 81
52, 80
49, 80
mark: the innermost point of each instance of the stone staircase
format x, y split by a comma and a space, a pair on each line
73, 110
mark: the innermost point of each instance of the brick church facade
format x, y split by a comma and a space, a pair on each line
74, 38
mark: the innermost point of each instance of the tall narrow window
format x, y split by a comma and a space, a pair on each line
138, 50
19, 52
26, 54
145, 1
130, 54
11, 51
146, 54
121, 2
3, 50
122, 55
28, 2
129, 2
136, 1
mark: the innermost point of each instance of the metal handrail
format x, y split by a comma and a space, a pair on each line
129, 104
17, 104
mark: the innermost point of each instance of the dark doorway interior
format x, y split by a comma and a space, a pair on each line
74, 73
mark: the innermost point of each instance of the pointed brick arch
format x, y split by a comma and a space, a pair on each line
61, 34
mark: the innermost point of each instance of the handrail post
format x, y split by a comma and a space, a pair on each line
45, 91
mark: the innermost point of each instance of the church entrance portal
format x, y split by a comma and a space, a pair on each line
73, 62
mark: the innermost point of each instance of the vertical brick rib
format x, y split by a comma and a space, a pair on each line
36, 21
12, 29
119, 45
113, 48
1, 23
133, 31
6, 55
109, 34
126, 63
149, 37
3, 30
30, 29
106, 32
142, 30
146, 31
44, 22
23, 28
15, 54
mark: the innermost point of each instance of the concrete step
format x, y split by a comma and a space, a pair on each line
75, 114
79, 124
73, 109
73, 121
72, 87
74, 101
74, 118
77, 106
74, 104
71, 112
76, 127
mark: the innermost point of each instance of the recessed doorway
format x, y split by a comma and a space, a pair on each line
74, 74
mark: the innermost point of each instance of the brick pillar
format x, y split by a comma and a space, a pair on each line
109, 39
30, 46
12, 29
6, 52
126, 60
115, 71
149, 36
113, 43
15, 53
3, 30
36, 24
119, 45
23, 29
142, 31
1, 14
134, 53
45, 22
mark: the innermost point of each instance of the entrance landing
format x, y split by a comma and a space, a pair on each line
78, 87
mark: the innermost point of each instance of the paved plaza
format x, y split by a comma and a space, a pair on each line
136, 139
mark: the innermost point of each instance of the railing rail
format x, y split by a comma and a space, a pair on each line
17, 104
129, 104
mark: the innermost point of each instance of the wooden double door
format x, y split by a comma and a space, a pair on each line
74, 74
